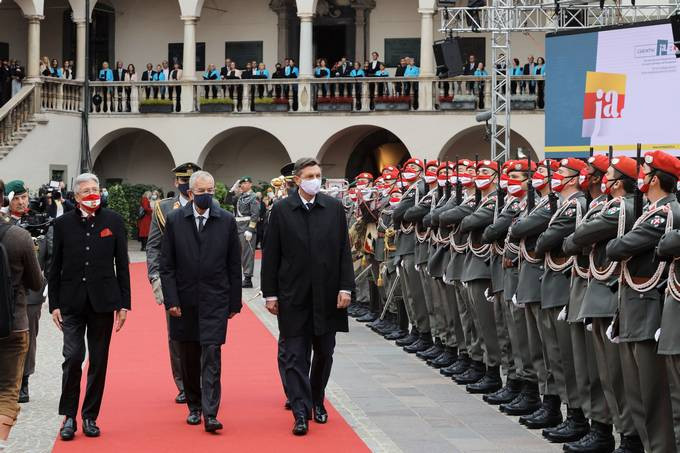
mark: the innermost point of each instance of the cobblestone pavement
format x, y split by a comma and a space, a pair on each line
391, 399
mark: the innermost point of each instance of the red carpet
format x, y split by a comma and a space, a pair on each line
139, 414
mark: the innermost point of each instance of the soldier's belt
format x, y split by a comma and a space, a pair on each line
242, 219
560, 260
639, 280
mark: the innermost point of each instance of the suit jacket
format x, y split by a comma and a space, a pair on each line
528, 68
469, 69
306, 261
201, 274
89, 263
370, 72
116, 77
147, 76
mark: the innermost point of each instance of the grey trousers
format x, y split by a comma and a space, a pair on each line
539, 354
248, 254
557, 341
175, 357
472, 341
608, 362
505, 329
429, 297
647, 391
363, 291
415, 296
580, 360
520, 345
485, 322
408, 306
447, 298
673, 368
34, 311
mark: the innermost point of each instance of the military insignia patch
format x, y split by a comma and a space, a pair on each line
657, 220
570, 212
613, 210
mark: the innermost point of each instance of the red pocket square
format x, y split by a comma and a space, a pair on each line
105, 233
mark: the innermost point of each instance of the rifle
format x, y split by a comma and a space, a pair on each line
501, 192
478, 194
552, 198
638, 192
459, 186
531, 200
390, 295
610, 156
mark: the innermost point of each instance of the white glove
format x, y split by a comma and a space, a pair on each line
45, 292
447, 281
489, 297
657, 334
486, 293
417, 266
235, 188
514, 301
563, 314
248, 235
589, 327
157, 291
609, 334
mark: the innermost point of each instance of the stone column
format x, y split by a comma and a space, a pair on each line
360, 39
426, 58
33, 54
282, 27
189, 62
81, 64
306, 45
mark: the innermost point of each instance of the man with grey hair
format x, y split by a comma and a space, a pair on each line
89, 294
200, 272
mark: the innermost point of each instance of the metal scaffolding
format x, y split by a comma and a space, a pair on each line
503, 17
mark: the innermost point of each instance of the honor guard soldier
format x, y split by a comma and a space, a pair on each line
153, 258
247, 216
640, 302
599, 306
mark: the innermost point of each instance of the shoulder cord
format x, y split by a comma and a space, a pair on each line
484, 250
656, 277
548, 256
608, 271
524, 253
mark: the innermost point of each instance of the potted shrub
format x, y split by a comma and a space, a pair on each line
446, 103
216, 105
523, 102
334, 104
155, 106
271, 104
458, 102
392, 103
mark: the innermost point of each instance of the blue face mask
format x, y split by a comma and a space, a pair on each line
184, 189
203, 201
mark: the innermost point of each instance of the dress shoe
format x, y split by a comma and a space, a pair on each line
23, 391
551, 415
474, 373
458, 367
598, 440
194, 418
630, 444
181, 398
524, 419
506, 394
287, 405
68, 429
528, 401
212, 424
320, 414
90, 428
423, 344
247, 282
445, 359
397, 334
572, 429
432, 352
300, 427
378, 323
491, 382
368, 317
408, 339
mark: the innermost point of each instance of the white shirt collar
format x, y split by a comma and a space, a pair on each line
304, 202
183, 201
205, 215
87, 214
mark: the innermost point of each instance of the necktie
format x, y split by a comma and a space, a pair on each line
201, 223
309, 206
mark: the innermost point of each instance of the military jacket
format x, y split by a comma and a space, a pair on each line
451, 218
495, 235
247, 212
415, 215
669, 340
477, 259
440, 250
406, 240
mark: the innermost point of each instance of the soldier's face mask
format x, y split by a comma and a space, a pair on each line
642, 182
584, 179
430, 176
183, 188
503, 182
539, 181
483, 182
515, 188
559, 181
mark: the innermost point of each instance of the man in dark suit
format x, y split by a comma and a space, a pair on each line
374, 65
119, 76
529, 70
147, 76
469, 70
89, 289
307, 281
200, 273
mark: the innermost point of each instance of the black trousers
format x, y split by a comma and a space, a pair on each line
98, 328
281, 362
201, 371
306, 379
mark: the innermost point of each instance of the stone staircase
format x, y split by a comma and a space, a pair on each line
17, 136
17, 119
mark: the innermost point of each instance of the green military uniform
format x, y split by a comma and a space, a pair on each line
247, 215
640, 305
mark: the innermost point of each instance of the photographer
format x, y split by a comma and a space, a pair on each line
38, 226
24, 274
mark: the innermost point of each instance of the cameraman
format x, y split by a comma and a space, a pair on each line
24, 275
39, 227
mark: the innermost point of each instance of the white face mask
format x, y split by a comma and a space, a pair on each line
311, 186
430, 179
441, 182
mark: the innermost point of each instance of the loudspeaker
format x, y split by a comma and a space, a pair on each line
448, 57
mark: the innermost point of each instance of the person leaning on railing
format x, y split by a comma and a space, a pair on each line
322, 72
261, 73
211, 74
383, 88
539, 70
479, 86
355, 73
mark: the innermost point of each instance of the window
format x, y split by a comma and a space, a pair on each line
397, 48
176, 54
243, 51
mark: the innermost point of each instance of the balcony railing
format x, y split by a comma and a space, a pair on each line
289, 95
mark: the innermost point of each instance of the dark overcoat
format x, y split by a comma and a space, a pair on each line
306, 261
201, 274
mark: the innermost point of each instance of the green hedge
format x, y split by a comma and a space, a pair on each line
125, 200
155, 102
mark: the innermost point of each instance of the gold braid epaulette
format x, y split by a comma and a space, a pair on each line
160, 218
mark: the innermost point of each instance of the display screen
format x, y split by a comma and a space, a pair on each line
617, 86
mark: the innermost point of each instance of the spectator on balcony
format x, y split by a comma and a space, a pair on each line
67, 71
480, 72
529, 70
159, 76
357, 73
411, 71
539, 70
261, 73
166, 73
55, 70
401, 69
224, 70
383, 89
278, 74
147, 76
516, 70
175, 74
16, 74
211, 74
322, 72
45, 66
130, 76
5, 82
232, 74
374, 65
105, 74
342, 69
468, 70
292, 72
119, 76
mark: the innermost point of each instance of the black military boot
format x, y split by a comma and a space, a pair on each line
630, 444
508, 393
491, 382
408, 339
23, 391
396, 334
572, 429
432, 352
526, 403
474, 373
444, 359
599, 439
549, 415
247, 282
423, 344
388, 327
368, 317
461, 364
377, 324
